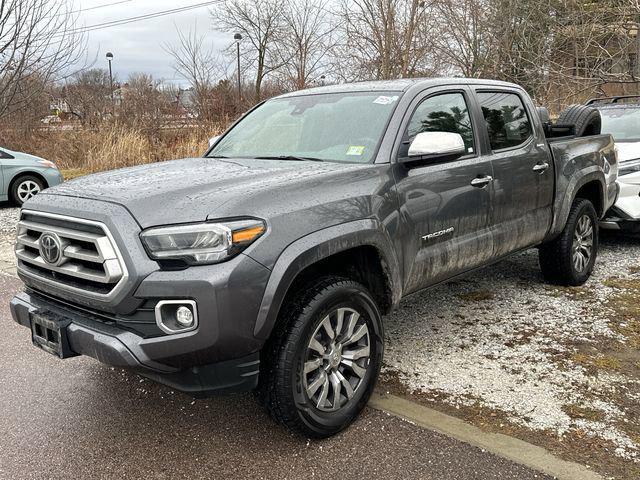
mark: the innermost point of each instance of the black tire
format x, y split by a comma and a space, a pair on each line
15, 193
282, 389
557, 260
587, 120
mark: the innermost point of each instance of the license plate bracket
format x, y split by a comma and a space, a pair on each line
49, 333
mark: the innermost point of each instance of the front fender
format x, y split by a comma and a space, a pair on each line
319, 245
51, 176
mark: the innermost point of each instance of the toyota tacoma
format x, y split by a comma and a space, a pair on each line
268, 263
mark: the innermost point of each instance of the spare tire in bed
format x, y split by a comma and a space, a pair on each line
586, 120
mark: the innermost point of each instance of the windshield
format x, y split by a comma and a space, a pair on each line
339, 127
622, 123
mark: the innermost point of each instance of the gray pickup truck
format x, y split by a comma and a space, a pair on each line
268, 264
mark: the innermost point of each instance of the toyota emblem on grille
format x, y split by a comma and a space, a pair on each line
50, 248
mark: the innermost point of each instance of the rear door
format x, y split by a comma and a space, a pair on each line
523, 182
445, 205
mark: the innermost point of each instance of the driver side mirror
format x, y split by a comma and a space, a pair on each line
435, 146
213, 140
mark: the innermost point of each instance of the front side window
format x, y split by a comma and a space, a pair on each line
339, 127
442, 113
506, 118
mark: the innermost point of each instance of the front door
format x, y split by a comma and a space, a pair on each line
445, 205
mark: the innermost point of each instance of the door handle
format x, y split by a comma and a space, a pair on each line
481, 182
540, 167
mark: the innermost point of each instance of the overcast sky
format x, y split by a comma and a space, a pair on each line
137, 47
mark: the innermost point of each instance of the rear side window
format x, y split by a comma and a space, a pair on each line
446, 112
506, 119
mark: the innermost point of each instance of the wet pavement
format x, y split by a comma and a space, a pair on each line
79, 419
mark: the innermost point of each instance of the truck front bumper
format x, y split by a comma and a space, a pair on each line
83, 334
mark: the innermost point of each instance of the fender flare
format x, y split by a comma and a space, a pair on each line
562, 203
317, 246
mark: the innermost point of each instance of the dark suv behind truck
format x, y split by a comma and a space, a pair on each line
269, 263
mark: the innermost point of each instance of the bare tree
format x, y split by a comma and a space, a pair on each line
261, 23
88, 95
465, 37
144, 106
385, 39
37, 40
307, 41
562, 51
199, 65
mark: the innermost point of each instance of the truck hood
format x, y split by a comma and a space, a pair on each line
196, 189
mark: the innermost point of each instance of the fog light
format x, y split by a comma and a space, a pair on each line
176, 316
184, 316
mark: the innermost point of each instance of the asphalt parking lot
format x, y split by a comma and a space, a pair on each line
80, 419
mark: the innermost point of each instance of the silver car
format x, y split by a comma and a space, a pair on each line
24, 175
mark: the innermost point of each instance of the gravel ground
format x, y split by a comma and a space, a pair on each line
503, 339
8, 220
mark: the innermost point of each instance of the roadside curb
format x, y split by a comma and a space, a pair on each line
518, 451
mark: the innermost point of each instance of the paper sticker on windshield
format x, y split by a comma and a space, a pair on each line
384, 100
355, 150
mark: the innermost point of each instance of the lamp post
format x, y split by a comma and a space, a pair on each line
109, 58
237, 37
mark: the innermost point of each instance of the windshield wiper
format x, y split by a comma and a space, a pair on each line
290, 157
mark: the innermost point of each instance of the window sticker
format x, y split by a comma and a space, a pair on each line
384, 100
355, 150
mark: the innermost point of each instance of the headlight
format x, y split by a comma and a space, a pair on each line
202, 243
47, 163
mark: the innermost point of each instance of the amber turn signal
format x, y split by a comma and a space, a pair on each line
247, 235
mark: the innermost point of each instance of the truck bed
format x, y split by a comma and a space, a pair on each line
578, 160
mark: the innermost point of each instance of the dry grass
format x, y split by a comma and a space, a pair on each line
111, 146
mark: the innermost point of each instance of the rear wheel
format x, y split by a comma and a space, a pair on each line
570, 258
322, 364
24, 188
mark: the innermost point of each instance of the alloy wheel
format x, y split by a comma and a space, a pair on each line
337, 359
27, 189
582, 243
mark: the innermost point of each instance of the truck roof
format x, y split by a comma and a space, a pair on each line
399, 85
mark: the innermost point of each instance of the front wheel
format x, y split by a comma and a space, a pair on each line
24, 188
323, 361
569, 259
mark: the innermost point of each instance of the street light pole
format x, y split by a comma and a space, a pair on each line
113, 105
237, 37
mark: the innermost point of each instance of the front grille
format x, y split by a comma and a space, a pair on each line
81, 255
